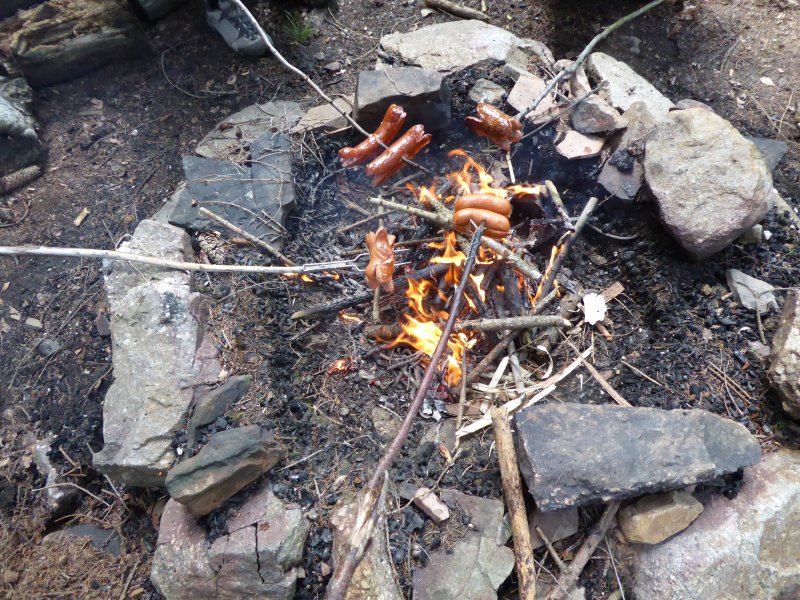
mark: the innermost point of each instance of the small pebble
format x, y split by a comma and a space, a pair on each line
333, 66
32, 323
324, 569
48, 347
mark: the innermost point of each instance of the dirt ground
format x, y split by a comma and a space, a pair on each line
115, 140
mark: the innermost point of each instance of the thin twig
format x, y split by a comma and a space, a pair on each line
130, 577
365, 220
556, 558
338, 586
462, 396
605, 385
457, 10
521, 322
643, 374
248, 236
582, 56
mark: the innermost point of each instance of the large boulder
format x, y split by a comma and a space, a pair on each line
257, 558
458, 45
577, 454
163, 359
20, 145
784, 371
747, 547
711, 184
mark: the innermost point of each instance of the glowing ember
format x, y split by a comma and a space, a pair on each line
340, 365
349, 318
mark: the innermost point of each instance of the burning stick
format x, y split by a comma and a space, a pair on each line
337, 588
512, 490
327, 308
522, 322
562, 250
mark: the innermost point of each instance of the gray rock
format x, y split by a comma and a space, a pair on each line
325, 116
486, 91
689, 103
574, 454
333, 66
231, 460
639, 124
752, 236
107, 540
162, 357
556, 525
784, 371
374, 577
59, 499
710, 183
623, 85
476, 565
741, 548
653, 519
273, 185
458, 45
423, 94
751, 292
21, 146
527, 88
216, 401
772, 151
163, 214
48, 347
256, 559
620, 184
231, 138
239, 194
595, 115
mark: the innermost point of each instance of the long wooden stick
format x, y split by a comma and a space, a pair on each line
152, 260
512, 490
248, 236
521, 322
457, 10
337, 588
583, 55
266, 39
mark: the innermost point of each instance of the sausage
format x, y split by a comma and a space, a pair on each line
380, 270
391, 161
393, 120
497, 226
501, 129
490, 202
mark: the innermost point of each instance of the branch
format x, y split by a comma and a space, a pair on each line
152, 260
512, 490
457, 10
521, 322
582, 56
266, 39
337, 588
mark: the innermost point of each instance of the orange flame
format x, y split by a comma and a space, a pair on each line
340, 365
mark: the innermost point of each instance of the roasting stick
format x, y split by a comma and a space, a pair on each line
365, 520
266, 39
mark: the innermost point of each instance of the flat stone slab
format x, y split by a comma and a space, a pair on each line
476, 565
256, 199
624, 86
231, 138
458, 45
750, 292
710, 184
423, 94
746, 547
578, 454
324, 116
162, 357
231, 460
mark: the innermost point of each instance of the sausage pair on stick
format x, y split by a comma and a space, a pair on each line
473, 209
391, 160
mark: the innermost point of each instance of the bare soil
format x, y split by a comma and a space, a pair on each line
115, 140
